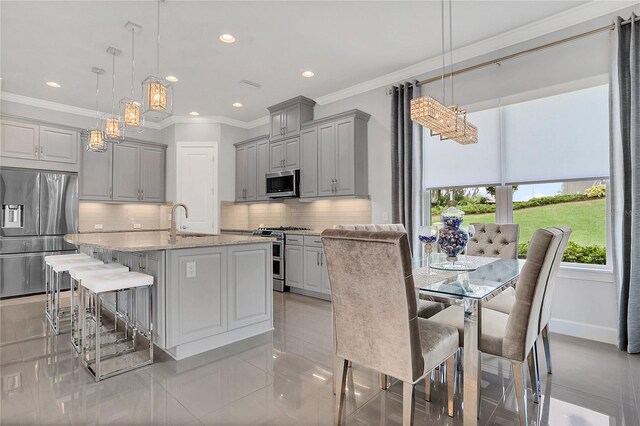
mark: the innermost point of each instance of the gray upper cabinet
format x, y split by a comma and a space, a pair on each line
309, 162
284, 155
126, 172
285, 117
252, 163
342, 167
96, 174
30, 145
276, 156
152, 173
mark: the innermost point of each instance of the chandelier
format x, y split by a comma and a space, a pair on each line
112, 131
130, 108
447, 122
93, 138
157, 92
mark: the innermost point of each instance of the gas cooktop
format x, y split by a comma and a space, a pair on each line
276, 231
284, 228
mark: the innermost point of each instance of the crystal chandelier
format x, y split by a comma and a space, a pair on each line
448, 122
94, 138
157, 93
131, 108
112, 131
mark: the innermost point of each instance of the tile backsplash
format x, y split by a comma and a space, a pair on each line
122, 217
315, 215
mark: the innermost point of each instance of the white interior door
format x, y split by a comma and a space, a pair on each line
197, 186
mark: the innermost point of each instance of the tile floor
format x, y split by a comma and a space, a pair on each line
284, 377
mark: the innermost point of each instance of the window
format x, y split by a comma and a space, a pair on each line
580, 205
478, 203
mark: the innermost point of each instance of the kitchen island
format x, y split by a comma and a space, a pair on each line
209, 290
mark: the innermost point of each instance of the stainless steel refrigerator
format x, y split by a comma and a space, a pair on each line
38, 208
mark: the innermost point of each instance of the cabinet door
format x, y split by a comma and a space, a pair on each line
249, 287
277, 125
291, 120
291, 154
58, 145
276, 156
326, 159
262, 149
345, 161
126, 172
96, 173
326, 287
197, 297
251, 179
312, 269
152, 174
19, 140
309, 162
241, 172
294, 266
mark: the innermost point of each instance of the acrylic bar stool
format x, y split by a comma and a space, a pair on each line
107, 351
77, 275
57, 267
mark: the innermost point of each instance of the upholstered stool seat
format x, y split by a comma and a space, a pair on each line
64, 265
79, 273
65, 256
118, 281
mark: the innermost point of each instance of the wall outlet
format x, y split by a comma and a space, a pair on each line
137, 226
97, 226
191, 269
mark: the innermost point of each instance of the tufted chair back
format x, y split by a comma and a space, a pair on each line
545, 315
373, 227
495, 240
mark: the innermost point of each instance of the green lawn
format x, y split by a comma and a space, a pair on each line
585, 218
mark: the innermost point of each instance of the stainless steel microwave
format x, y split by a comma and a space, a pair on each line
283, 184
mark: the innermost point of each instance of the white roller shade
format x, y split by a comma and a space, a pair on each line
557, 138
449, 164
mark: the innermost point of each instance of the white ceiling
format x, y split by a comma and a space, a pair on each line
344, 43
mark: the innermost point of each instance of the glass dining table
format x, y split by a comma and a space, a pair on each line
470, 289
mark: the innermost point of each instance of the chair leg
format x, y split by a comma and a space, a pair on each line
521, 395
451, 367
408, 403
547, 347
341, 396
533, 374
384, 381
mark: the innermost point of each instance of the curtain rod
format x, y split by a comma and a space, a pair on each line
610, 27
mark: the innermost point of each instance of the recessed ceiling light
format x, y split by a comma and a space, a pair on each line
194, 113
237, 105
227, 38
53, 84
171, 78
308, 74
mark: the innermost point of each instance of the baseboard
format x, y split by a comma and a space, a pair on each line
585, 331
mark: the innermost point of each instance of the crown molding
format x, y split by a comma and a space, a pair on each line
574, 16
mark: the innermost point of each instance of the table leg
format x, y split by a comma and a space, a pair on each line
472, 367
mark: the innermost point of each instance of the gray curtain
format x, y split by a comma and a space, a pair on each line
407, 186
624, 103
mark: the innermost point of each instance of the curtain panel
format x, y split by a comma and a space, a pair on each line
407, 178
624, 157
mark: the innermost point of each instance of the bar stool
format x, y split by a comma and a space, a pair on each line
77, 275
108, 352
58, 266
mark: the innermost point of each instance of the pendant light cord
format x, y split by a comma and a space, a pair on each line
97, 100
133, 62
158, 43
451, 51
113, 83
444, 98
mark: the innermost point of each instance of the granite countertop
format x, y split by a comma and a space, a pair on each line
236, 230
157, 240
309, 232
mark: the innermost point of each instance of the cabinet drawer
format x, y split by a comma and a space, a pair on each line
297, 240
313, 240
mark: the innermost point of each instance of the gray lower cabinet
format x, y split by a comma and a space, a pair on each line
306, 268
126, 172
294, 266
96, 175
312, 269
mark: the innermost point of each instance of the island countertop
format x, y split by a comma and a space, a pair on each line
157, 240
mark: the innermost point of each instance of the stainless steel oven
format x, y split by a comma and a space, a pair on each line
283, 184
278, 258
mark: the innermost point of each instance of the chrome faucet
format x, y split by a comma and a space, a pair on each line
173, 223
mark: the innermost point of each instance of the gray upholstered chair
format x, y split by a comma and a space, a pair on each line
506, 300
512, 336
375, 319
495, 240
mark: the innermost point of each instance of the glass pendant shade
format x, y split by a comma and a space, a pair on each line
158, 98
94, 140
131, 116
112, 131
430, 113
463, 132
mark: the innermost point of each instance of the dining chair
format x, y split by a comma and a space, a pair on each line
512, 336
375, 319
505, 301
495, 240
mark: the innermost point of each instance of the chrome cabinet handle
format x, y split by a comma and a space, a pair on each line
318, 259
110, 192
142, 194
35, 150
41, 151
321, 259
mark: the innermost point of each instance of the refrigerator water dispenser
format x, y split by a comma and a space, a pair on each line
12, 216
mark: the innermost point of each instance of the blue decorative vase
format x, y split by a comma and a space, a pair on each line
452, 240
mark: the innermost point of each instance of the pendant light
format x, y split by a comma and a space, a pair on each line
448, 122
131, 119
157, 93
93, 138
112, 131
